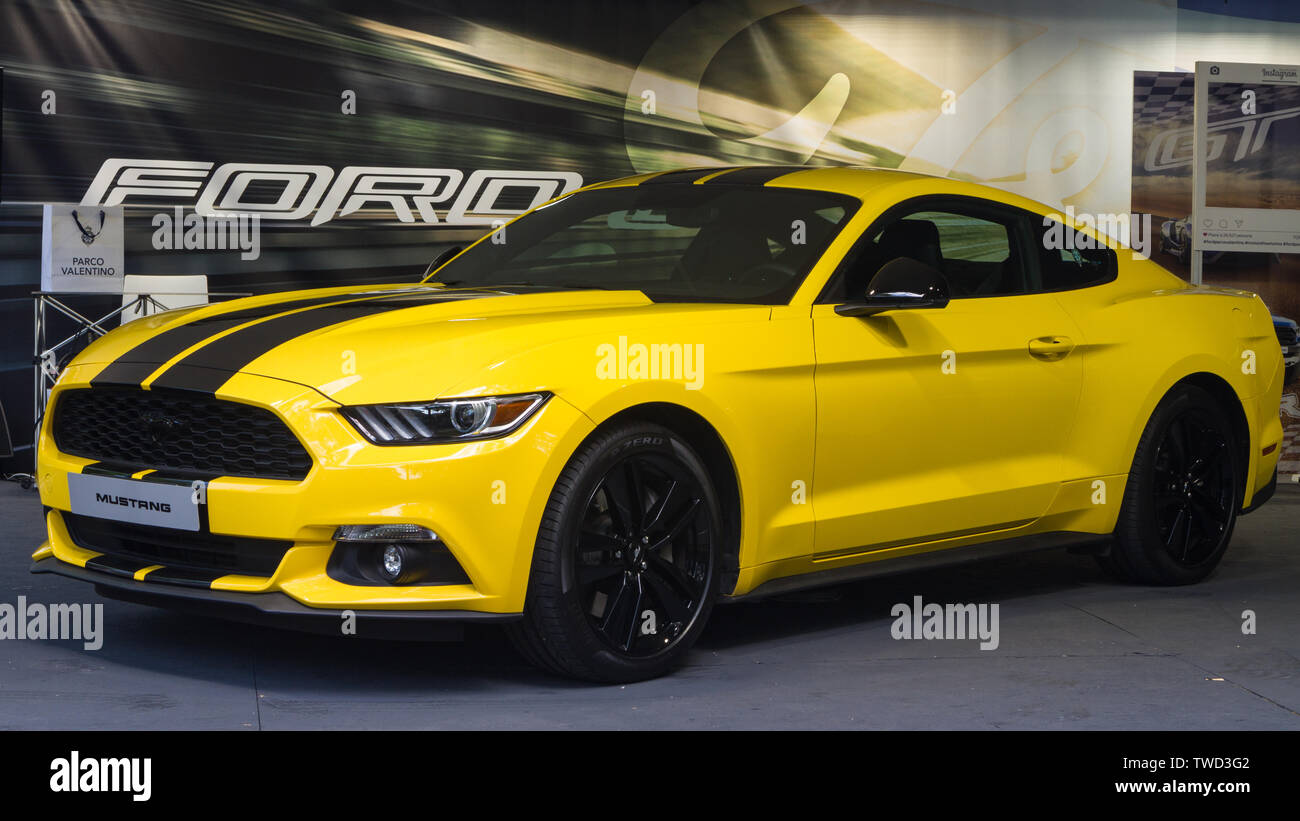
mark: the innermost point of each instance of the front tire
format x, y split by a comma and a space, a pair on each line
626, 565
1182, 497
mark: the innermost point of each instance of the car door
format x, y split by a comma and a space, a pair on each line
937, 423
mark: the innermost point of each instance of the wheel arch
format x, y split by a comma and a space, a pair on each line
1228, 401
1234, 408
705, 440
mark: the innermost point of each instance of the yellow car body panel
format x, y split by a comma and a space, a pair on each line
848, 447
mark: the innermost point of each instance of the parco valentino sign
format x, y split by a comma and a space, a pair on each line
82, 248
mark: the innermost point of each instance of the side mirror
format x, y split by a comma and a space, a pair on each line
441, 259
900, 283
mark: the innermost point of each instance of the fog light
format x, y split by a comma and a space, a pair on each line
402, 563
395, 553
391, 563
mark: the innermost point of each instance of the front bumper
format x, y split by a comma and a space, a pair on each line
1262, 495
484, 499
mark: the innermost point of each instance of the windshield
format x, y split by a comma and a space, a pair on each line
674, 242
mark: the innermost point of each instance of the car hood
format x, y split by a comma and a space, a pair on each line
394, 343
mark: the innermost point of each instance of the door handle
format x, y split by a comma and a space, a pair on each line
1050, 348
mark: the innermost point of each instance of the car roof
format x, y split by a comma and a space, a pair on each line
810, 176
875, 186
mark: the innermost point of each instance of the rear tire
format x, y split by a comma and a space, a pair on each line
1183, 494
626, 565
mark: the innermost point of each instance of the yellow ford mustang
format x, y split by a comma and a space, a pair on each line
662, 392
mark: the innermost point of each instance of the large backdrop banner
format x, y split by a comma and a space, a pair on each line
334, 115
365, 135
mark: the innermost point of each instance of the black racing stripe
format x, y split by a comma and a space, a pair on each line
104, 469
134, 366
185, 576
117, 565
208, 368
686, 176
756, 175
185, 480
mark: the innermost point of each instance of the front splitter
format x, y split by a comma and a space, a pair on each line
278, 610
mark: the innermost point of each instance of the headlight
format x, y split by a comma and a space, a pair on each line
448, 420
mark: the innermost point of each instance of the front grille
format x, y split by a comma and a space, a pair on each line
177, 549
186, 434
1286, 336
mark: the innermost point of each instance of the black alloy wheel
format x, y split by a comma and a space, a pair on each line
1194, 487
626, 566
644, 554
1182, 496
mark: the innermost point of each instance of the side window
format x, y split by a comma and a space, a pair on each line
977, 251
976, 254
969, 239
1069, 259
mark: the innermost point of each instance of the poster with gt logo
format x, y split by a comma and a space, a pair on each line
1253, 136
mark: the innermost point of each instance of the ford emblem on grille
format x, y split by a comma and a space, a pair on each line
161, 428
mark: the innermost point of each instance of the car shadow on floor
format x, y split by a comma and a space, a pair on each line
868, 603
148, 639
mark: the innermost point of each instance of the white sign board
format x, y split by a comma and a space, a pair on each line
82, 249
1248, 111
134, 501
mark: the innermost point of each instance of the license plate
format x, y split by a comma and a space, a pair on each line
134, 501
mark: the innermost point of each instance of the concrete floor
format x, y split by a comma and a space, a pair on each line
1077, 651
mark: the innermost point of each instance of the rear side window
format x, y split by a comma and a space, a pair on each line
1070, 259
